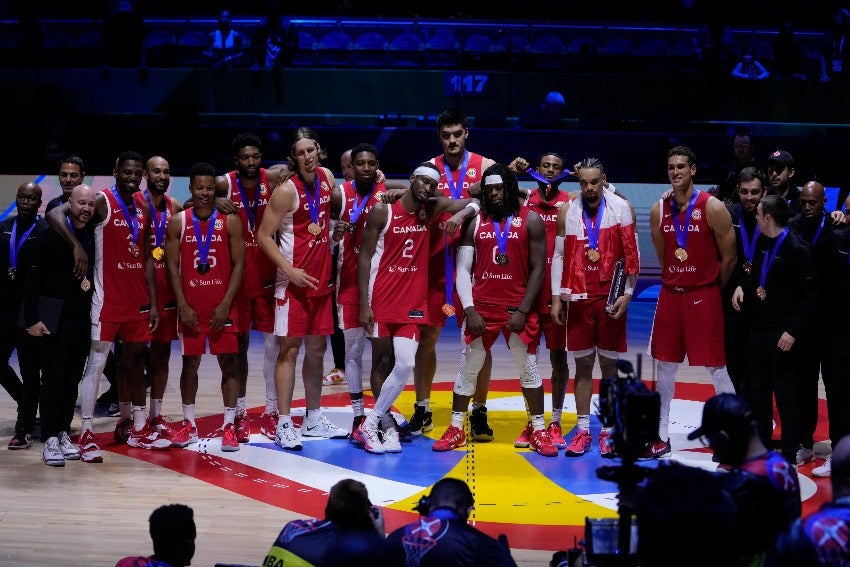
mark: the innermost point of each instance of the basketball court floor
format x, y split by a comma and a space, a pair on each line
94, 514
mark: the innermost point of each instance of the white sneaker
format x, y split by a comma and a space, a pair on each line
52, 454
368, 438
70, 451
825, 470
391, 441
287, 436
323, 427
804, 456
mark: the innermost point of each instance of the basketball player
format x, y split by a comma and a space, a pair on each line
161, 207
298, 214
123, 306
206, 260
594, 232
503, 252
459, 170
246, 191
695, 243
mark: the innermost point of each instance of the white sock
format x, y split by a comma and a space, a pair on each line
583, 422
126, 410
88, 424
241, 407
556, 414
313, 416
426, 403
138, 417
156, 408
537, 422
372, 420
357, 406
229, 416
457, 419
189, 413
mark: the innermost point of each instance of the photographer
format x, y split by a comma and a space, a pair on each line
762, 483
442, 536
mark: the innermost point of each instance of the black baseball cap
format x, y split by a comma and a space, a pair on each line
724, 412
781, 157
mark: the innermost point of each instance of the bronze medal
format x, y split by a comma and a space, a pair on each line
592, 255
158, 253
314, 229
761, 293
350, 228
449, 310
11, 273
423, 216
501, 259
85, 285
748, 268
681, 254
203, 268
134, 251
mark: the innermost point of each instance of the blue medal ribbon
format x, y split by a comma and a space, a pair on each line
749, 244
250, 211
450, 272
360, 204
158, 221
554, 182
14, 246
682, 231
456, 188
502, 234
819, 230
131, 219
313, 200
770, 256
203, 245
592, 228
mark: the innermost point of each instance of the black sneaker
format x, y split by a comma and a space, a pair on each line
358, 419
20, 441
481, 432
405, 435
420, 422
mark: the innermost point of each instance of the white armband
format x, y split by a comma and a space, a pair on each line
631, 281
557, 265
476, 208
463, 280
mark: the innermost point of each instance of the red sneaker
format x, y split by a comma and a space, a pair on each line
147, 438
123, 429
229, 441
185, 436
453, 438
243, 428
89, 451
657, 449
542, 443
162, 427
524, 439
606, 445
268, 424
557, 435
581, 443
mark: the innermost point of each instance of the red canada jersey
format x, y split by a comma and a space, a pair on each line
702, 266
164, 295
548, 211
311, 253
495, 284
259, 269
398, 276
120, 287
347, 290
204, 292
437, 267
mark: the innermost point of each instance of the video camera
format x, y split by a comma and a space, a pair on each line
631, 409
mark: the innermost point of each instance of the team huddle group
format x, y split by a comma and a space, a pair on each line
281, 249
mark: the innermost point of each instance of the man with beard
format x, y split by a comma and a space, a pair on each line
206, 260
394, 256
161, 207
751, 188
743, 157
295, 236
123, 306
62, 349
246, 191
460, 169
503, 251
594, 232
780, 171
72, 172
695, 244
18, 237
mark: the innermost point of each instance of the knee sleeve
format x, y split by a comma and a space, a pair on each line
472, 360
270, 350
405, 353
609, 354
355, 342
91, 378
666, 385
526, 364
721, 380
582, 353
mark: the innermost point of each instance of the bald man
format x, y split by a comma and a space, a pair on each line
62, 333
814, 226
822, 537
18, 235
